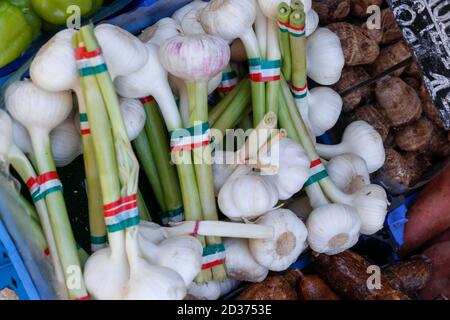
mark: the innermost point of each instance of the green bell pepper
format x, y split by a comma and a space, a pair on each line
55, 11
32, 18
15, 33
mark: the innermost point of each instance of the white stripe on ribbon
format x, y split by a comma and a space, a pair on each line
228, 83
91, 62
50, 184
118, 218
213, 257
181, 141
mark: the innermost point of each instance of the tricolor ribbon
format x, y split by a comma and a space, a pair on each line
317, 172
84, 124
213, 256
229, 81
191, 138
293, 31
264, 71
121, 214
43, 185
89, 62
299, 93
98, 243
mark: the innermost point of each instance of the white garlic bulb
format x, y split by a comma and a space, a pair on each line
349, 172
325, 57
221, 169
66, 142
311, 22
161, 31
190, 24
180, 13
6, 134
325, 106
133, 115
204, 291
22, 138
333, 228
247, 195
285, 247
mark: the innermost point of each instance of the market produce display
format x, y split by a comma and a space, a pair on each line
218, 109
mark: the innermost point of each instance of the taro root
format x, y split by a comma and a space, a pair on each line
312, 287
409, 276
359, 7
413, 70
389, 57
415, 136
331, 10
400, 101
439, 144
429, 109
389, 143
347, 274
273, 288
373, 114
350, 77
388, 33
414, 83
405, 170
439, 284
358, 48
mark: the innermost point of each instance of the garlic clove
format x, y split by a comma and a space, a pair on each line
349, 172
133, 115
325, 106
289, 240
333, 228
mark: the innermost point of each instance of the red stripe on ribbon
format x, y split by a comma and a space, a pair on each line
315, 163
225, 89
82, 298
31, 183
82, 53
48, 176
189, 146
85, 132
147, 99
122, 208
47, 251
299, 89
114, 204
287, 25
257, 77
213, 264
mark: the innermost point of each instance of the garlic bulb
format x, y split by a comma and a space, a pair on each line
325, 106
6, 135
293, 169
204, 291
21, 138
36, 108
195, 57
190, 23
147, 281
270, 7
333, 228
359, 138
161, 31
311, 22
240, 263
133, 115
237, 203
182, 254
325, 57
180, 13
123, 52
66, 142
221, 170
228, 285
284, 248
349, 172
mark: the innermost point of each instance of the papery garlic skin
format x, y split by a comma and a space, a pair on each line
240, 263
123, 52
21, 138
293, 170
195, 57
228, 286
180, 13
247, 195
66, 142
6, 134
371, 203
349, 172
289, 240
190, 24
325, 106
359, 138
36, 108
133, 115
325, 57
333, 228
162, 30
270, 7
221, 170
311, 22
205, 291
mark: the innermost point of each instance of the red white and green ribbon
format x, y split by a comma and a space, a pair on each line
99, 242
229, 81
317, 172
44, 185
264, 71
213, 256
89, 62
84, 124
293, 31
172, 216
121, 214
191, 138
300, 93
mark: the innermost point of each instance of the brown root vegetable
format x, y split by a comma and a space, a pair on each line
389, 57
430, 111
413, 82
273, 288
348, 274
413, 70
358, 48
409, 276
359, 7
238, 53
372, 113
331, 10
443, 237
389, 143
439, 144
311, 287
350, 77
400, 101
405, 170
429, 216
415, 136
439, 284
388, 33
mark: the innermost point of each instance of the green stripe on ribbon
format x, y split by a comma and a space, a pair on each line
300, 96
254, 62
99, 240
42, 195
128, 223
89, 71
174, 213
83, 117
272, 64
316, 178
295, 35
200, 129
213, 249
228, 75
